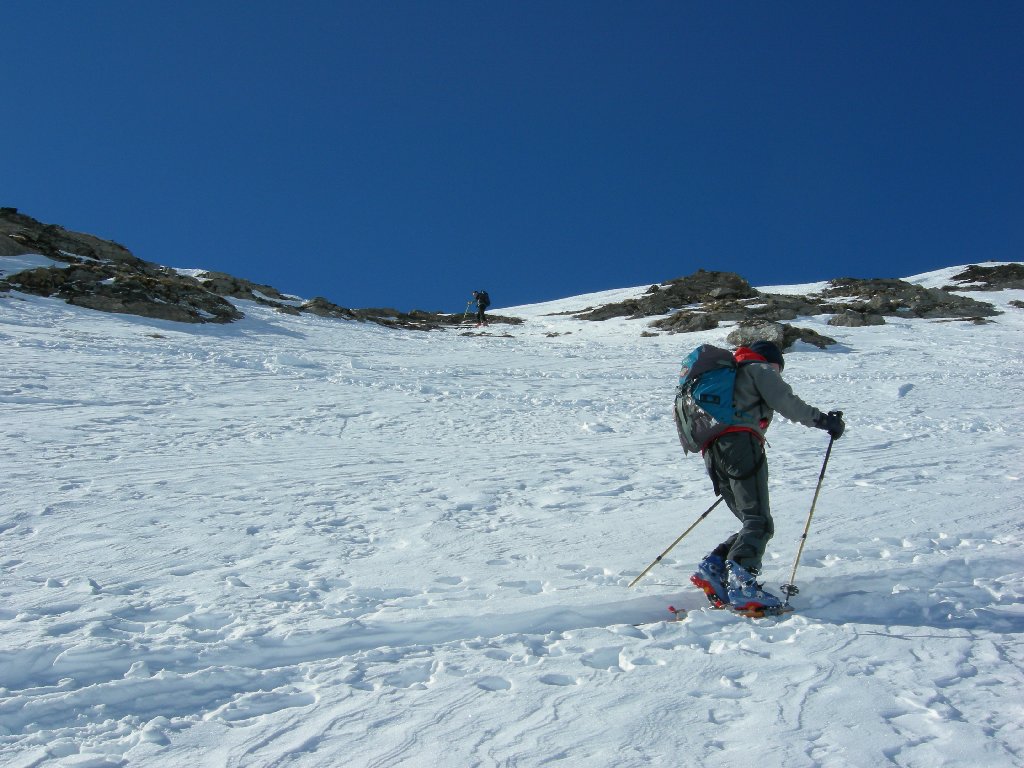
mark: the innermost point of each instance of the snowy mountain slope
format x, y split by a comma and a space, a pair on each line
300, 541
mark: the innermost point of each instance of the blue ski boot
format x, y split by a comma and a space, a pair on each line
748, 597
711, 578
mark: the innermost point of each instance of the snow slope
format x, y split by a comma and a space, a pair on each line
303, 542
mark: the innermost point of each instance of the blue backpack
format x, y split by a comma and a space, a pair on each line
704, 406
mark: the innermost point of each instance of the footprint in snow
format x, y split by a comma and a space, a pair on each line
451, 581
560, 680
603, 658
494, 683
526, 587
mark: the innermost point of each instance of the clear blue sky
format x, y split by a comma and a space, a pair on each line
405, 153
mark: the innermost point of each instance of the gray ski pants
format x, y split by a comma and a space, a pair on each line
738, 469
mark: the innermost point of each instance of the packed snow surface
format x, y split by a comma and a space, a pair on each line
306, 542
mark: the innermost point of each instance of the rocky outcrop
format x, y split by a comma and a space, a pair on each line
103, 275
135, 291
850, 318
417, 319
58, 243
700, 287
11, 247
783, 334
978, 277
704, 300
898, 298
106, 276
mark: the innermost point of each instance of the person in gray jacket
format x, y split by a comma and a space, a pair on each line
738, 468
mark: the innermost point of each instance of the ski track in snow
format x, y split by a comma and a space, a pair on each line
294, 541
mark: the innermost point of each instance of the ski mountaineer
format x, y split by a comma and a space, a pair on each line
738, 467
483, 301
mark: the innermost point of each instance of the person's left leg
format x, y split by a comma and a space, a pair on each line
741, 461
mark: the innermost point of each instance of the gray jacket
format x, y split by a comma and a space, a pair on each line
760, 391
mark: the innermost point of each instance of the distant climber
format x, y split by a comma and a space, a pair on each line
483, 301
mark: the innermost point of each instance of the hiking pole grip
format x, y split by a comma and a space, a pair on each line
673, 544
791, 589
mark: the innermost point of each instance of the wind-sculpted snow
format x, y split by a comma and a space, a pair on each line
298, 541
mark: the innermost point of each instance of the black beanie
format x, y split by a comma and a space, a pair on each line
769, 351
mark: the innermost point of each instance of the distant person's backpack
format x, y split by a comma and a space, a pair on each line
704, 407
482, 299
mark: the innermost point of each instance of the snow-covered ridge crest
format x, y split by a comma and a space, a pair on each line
87, 271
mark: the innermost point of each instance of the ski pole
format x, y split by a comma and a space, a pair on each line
468, 305
791, 589
681, 536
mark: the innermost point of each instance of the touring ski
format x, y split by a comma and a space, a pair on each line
751, 611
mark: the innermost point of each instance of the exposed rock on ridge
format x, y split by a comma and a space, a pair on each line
981, 278
700, 287
106, 276
705, 299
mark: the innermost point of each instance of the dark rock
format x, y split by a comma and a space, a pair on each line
701, 286
756, 330
227, 285
808, 336
707, 299
11, 247
773, 306
687, 322
323, 308
898, 298
415, 320
58, 243
104, 275
850, 319
981, 278
783, 334
108, 288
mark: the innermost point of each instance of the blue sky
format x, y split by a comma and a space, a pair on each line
405, 153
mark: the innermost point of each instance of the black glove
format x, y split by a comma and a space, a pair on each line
832, 422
